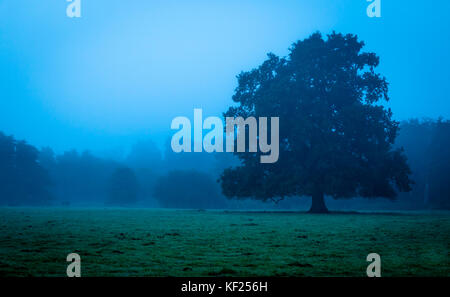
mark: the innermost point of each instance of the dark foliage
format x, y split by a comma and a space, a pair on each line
123, 187
80, 178
439, 167
334, 138
427, 146
188, 189
23, 181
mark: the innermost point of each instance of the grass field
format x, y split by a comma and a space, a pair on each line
131, 242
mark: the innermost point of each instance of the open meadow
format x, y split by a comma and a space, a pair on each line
149, 242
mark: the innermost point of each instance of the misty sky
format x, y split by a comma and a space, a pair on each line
124, 70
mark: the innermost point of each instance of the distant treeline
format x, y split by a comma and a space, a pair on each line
427, 146
29, 176
149, 177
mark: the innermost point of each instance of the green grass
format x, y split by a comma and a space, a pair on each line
131, 242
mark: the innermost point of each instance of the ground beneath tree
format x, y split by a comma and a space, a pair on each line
128, 242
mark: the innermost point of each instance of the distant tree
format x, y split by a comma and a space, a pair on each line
68, 176
23, 181
7, 168
79, 178
334, 138
427, 146
188, 189
123, 187
439, 166
415, 137
33, 180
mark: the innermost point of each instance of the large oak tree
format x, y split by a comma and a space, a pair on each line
336, 138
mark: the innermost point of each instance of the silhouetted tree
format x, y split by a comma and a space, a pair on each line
32, 180
78, 177
7, 168
23, 181
427, 146
334, 138
439, 166
188, 189
415, 137
123, 187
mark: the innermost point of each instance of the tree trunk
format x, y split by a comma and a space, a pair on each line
318, 203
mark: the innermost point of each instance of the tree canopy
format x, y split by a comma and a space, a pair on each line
23, 181
336, 138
